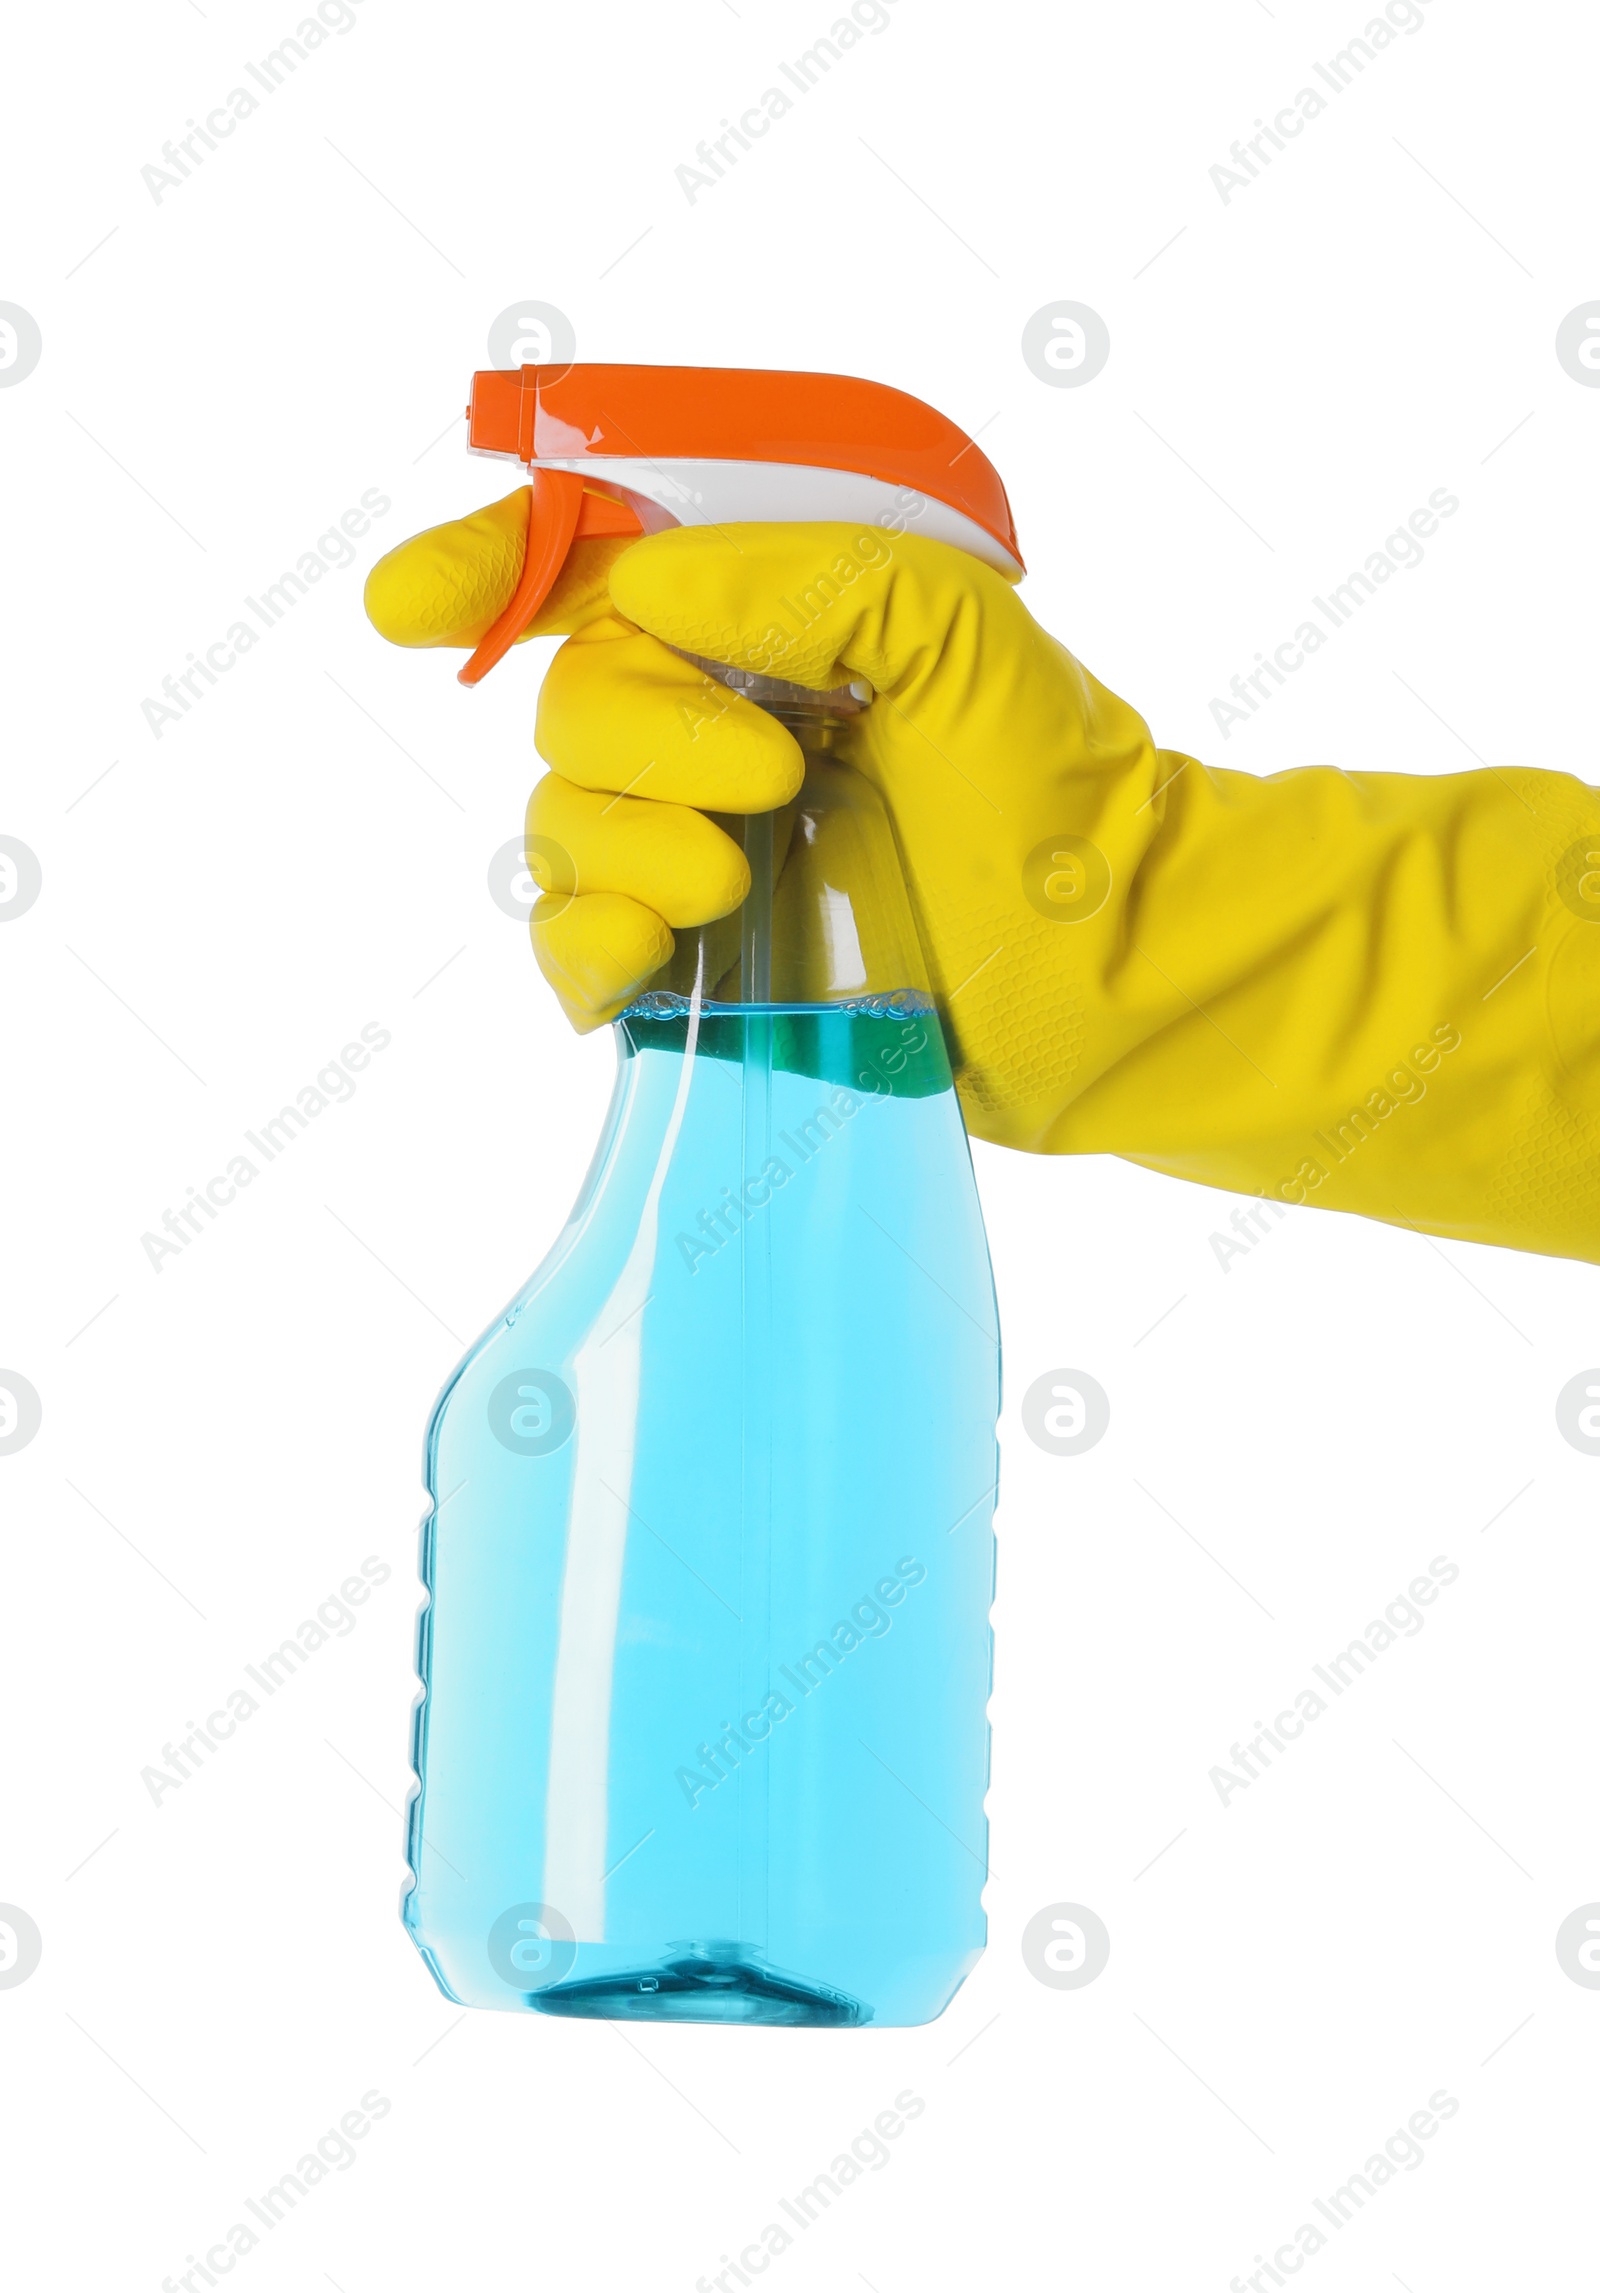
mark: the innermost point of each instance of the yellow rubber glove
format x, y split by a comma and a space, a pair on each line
1373, 992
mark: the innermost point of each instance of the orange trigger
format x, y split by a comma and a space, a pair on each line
555, 501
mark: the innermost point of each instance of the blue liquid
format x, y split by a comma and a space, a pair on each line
706, 1656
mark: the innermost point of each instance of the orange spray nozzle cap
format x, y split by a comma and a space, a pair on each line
620, 449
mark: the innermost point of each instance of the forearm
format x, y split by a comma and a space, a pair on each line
1362, 991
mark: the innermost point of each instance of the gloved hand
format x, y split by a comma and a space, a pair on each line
1374, 992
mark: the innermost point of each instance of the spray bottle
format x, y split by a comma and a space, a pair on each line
705, 1651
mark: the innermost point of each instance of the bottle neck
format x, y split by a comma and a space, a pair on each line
800, 707
815, 719
827, 920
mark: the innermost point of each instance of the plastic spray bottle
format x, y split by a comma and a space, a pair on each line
705, 1654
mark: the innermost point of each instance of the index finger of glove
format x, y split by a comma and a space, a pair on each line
450, 585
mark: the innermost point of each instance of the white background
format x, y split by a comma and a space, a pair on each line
1292, 372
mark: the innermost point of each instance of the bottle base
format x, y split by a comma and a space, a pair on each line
705, 1982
